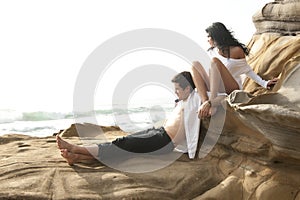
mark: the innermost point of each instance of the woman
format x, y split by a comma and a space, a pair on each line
228, 63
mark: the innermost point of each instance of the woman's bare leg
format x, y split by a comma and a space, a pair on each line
201, 80
72, 158
221, 79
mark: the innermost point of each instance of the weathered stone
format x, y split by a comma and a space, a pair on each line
279, 17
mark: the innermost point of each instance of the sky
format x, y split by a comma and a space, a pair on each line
43, 44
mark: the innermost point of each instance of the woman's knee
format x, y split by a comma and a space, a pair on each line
216, 63
196, 66
215, 60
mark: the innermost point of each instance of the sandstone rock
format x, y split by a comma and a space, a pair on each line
33, 169
276, 116
279, 17
228, 189
264, 125
88, 130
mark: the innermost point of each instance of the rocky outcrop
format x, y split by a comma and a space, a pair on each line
261, 134
280, 16
31, 168
274, 114
258, 151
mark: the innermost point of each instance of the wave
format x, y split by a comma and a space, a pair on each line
32, 129
8, 116
46, 123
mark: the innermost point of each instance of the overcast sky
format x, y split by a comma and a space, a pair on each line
43, 44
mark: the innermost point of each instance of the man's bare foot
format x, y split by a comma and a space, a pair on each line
62, 144
71, 158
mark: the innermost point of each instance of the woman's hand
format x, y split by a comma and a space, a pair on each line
272, 82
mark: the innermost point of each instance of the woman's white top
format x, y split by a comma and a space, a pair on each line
238, 67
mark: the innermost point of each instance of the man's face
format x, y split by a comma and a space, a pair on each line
182, 94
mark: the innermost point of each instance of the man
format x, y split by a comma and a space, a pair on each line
181, 130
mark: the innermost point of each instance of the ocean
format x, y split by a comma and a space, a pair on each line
43, 124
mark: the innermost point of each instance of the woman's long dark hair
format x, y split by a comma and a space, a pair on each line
223, 38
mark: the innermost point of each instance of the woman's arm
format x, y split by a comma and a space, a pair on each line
251, 74
266, 84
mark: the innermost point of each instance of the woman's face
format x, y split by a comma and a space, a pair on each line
210, 41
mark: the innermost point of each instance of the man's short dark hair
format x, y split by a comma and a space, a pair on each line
184, 79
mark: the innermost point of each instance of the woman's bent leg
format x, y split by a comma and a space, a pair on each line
201, 80
221, 79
